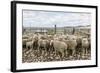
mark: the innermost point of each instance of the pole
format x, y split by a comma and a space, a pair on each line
55, 29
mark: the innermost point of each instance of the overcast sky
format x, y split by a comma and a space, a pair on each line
50, 18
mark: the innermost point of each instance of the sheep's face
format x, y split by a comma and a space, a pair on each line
84, 40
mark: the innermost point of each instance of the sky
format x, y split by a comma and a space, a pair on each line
34, 18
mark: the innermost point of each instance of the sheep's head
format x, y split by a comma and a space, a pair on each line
85, 40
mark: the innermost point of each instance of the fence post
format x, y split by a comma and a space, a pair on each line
55, 29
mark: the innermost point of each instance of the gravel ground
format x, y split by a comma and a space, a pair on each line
29, 56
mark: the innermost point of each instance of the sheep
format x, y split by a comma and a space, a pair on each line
71, 47
44, 36
25, 36
29, 44
71, 42
56, 47
51, 46
60, 47
35, 43
71, 37
24, 43
24, 40
85, 46
79, 45
89, 40
43, 45
50, 37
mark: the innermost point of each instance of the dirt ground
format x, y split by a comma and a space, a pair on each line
29, 56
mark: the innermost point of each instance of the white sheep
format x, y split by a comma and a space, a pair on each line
60, 47
72, 43
29, 44
42, 45
71, 46
85, 45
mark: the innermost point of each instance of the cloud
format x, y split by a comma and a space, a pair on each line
51, 18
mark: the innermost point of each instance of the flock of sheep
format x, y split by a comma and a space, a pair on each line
57, 47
